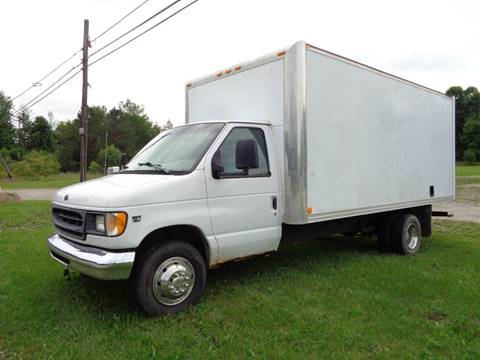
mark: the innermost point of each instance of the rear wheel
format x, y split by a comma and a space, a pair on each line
171, 277
406, 234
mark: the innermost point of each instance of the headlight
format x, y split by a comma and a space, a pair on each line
109, 224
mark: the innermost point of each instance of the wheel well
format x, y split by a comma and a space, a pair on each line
187, 233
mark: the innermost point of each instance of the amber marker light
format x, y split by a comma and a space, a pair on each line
309, 211
115, 223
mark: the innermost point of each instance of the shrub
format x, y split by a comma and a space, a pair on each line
95, 168
113, 156
470, 156
36, 164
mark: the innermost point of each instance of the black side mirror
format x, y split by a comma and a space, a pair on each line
217, 166
124, 159
246, 155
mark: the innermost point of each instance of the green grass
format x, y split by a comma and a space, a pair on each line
335, 298
52, 182
462, 169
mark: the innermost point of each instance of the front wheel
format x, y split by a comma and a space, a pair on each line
171, 277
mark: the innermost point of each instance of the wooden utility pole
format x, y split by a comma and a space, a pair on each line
84, 113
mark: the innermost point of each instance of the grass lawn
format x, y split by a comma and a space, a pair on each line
51, 182
467, 170
335, 298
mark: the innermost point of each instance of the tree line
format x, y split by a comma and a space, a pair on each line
126, 128
467, 122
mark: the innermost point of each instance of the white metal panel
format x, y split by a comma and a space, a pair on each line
243, 219
255, 94
373, 141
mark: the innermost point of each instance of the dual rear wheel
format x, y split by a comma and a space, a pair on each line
401, 234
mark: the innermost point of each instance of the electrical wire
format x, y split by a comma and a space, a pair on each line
38, 82
39, 97
35, 84
142, 33
28, 105
119, 21
136, 27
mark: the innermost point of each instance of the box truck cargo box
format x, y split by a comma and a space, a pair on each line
352, 140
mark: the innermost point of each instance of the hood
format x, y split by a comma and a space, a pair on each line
124, 190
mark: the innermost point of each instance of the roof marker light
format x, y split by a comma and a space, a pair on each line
281, 53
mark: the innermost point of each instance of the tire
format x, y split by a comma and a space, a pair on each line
406, 234
382, 230
169, 278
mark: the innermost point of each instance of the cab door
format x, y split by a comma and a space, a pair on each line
243, 192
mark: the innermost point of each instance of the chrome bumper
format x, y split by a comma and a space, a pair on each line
93, 262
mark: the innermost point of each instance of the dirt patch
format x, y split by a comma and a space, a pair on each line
8, 197
460, 211
36, 194
437, 317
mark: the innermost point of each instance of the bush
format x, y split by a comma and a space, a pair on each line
470, 156
95, 168
113, 156
36, 164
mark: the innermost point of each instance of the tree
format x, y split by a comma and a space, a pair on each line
7, 130
23, 130
471, 138
113, 156
68, 145
467, 102
40, 135
130, 128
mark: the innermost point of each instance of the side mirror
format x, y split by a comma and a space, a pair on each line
124, 159
246, 155
217, 166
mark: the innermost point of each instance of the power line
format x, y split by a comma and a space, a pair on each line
119, 21
28, 105
142, 33
32, 102
53, 90
37, 83
136, 27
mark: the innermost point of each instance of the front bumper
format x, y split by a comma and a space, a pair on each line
91, 261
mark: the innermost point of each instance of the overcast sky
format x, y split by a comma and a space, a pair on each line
435, 43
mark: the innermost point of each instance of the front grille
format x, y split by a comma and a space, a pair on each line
69, 222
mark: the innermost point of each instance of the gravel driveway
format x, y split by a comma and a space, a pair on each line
35, 194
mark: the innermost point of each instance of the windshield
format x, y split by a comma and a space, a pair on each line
178, 151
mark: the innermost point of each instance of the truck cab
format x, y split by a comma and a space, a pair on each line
198, 185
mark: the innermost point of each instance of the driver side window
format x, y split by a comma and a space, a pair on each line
242, 146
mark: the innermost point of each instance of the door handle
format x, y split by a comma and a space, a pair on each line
274, 203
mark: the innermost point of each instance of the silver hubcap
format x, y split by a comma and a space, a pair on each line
173, 281
412, 236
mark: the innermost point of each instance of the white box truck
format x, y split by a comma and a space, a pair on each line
296, 144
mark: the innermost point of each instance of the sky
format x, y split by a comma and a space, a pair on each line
435, 43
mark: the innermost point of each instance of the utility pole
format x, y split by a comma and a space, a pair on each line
84, 113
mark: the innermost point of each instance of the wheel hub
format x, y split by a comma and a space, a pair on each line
413, 236
173, 281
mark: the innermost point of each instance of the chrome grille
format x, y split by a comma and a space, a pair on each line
69, 222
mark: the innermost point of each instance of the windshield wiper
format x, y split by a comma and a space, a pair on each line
157, 167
